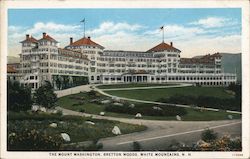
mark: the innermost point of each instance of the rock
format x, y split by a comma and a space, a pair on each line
157, 108
61, 122
105, 101
118, 104
53, 125
230, 117
116, 99
90, 122
53, 111
131, 106
102, 113
116, 130
138, 115
65, 137
35, 108
42, 109
178, 118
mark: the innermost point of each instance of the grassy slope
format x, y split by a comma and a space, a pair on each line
192, 114
156, 94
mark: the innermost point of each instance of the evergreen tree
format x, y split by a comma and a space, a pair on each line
18, 97
45, 95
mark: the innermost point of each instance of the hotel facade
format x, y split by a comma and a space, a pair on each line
85, 61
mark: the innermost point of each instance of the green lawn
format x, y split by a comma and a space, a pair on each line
156, 94
93, 108
75, 126
131, 85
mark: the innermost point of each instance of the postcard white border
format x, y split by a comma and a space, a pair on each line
243, 4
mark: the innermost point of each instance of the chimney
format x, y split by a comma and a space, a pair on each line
71, 40
44, 34
88, 37
27, 36
171, 43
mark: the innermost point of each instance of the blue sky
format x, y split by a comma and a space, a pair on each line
194, 31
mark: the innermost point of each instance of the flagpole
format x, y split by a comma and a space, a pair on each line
83, 21
163, 34
84, 28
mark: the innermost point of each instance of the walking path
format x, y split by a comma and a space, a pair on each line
150, 87
74, 90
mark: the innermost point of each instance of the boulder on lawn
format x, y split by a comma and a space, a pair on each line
52, 111
53, 125
118, 104
105, 101
65, 137
131, 105
138, 115
90, 122
116, 99
116, 130
102, 113
35, 108
230, 117
42, 109
178, 118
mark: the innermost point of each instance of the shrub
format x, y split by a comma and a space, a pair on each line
82, 110
45, 95
19, 97
208, 135
136, 146
225, 143
147, 109
29, 140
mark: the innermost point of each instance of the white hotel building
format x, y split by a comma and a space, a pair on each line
43, 60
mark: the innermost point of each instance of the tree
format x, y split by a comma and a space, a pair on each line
209, 135
19, 97
45, 95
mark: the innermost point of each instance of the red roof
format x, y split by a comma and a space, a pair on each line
48, 38
29, 39
162, 47
207, 59
86, 42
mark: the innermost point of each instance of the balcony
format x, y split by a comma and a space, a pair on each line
34, 67
34, 60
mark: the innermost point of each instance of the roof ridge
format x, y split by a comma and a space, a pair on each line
85, 41
162, 47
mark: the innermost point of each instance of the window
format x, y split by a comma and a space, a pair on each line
92, 78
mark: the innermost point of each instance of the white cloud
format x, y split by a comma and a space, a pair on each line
206, 44
212, 22
176, 32
111, 27
52, 27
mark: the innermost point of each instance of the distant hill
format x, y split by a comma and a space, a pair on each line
12, 59
230, 62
